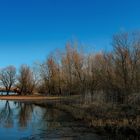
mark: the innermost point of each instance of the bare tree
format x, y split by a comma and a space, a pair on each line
50, 74
26, 81
126, 56
8, 77
67, 68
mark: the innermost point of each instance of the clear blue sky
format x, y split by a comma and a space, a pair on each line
30, 29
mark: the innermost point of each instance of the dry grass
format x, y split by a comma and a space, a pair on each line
34, 97
114, 119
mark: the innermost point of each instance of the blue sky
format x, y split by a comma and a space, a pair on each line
31, 29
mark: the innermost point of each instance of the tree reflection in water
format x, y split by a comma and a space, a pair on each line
27, 116
27, 120
6, 115
24, 114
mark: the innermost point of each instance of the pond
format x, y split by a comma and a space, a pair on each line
33, 121
27, 121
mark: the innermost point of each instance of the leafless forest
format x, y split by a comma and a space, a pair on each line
114, 75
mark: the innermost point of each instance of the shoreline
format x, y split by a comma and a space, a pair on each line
34, 97
29, 97
103, 120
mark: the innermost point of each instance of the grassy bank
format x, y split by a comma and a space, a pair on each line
116, 119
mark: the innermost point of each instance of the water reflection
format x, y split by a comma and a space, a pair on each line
6, 115
20, 121
25, 112
28, 121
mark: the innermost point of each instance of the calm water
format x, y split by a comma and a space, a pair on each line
26, 121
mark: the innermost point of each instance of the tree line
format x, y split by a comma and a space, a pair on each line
115, 73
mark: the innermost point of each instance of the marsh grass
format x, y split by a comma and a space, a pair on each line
106, 118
